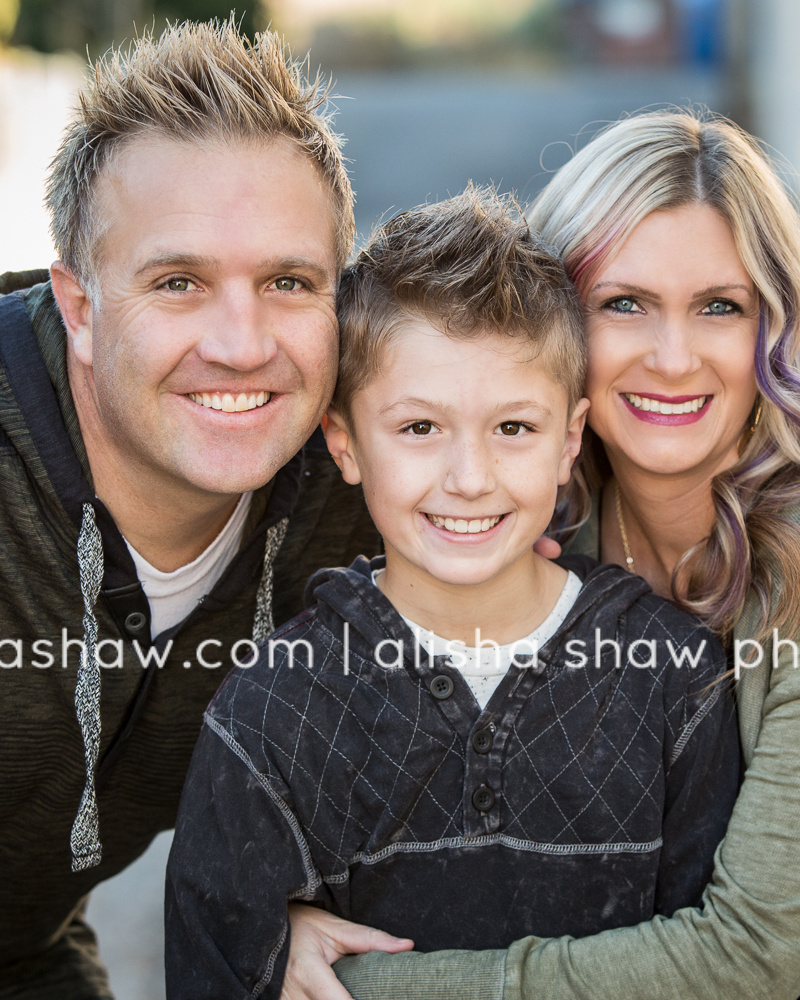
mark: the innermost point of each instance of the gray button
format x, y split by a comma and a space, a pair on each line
135, 621
442, 686
482, 740
483, 798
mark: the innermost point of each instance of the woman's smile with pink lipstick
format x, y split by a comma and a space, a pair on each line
667, 410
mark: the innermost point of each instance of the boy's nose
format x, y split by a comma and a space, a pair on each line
469, 472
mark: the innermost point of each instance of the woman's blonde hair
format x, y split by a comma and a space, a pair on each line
666, 159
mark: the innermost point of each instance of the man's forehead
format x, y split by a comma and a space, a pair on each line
173, 194
124, 164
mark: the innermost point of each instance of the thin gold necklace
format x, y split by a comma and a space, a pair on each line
621, 522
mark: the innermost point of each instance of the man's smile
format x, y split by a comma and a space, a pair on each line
229, 403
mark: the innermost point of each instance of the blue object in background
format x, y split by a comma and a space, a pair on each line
701, 32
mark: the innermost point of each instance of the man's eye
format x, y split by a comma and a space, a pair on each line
420, 427
177, 284
287, 284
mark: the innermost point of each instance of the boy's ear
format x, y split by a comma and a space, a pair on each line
340, 445
76, 311
572, 444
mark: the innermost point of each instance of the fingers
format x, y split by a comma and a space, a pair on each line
333, 937
311, 978
547, 547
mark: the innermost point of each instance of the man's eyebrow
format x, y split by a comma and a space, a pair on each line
277, 266
178, 260
306, 265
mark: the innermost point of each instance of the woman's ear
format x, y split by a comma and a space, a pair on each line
572, 443
341, 445
76, 311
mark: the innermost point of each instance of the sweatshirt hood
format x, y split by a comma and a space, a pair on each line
349, 596
38, 419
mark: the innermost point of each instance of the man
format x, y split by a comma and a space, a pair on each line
159, 510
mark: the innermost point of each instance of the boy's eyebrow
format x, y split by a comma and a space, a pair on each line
415, 401
527, 404
430, 404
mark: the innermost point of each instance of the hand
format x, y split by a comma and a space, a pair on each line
547, 547
318, 940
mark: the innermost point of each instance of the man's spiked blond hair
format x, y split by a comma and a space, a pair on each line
196, 83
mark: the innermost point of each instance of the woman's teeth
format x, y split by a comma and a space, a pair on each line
656, 406
463, 527
229, 403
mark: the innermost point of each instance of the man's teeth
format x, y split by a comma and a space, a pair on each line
656, 406
229, 403
463, 527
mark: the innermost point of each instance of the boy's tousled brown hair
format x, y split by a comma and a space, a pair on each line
468, 266
198, 83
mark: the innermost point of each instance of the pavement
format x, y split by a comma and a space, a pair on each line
411, 138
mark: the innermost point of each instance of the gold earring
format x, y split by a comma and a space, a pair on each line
756, 418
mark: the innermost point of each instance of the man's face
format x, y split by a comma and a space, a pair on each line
212, 353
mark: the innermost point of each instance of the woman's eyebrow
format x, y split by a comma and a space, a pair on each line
627, 287
717, 289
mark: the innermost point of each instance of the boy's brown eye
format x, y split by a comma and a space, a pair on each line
420, 427
510, 428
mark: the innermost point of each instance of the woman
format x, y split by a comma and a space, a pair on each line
686, 252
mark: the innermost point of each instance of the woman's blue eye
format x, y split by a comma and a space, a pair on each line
719, 307
623, 305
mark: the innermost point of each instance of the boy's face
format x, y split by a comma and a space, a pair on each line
461, 446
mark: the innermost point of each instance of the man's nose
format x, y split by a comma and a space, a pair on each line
237, 332
470, 471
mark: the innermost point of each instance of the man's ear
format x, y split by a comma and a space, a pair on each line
76, 311
340, 445
572, 444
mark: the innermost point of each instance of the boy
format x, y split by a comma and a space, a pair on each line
463, 742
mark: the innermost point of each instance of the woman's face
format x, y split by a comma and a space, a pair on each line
672, 322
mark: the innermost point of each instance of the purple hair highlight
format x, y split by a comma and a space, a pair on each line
778, 378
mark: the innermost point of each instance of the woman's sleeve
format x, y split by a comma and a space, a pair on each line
743, 944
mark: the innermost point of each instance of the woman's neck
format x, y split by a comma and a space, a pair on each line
662, 518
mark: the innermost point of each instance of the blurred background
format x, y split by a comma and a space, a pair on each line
430, 94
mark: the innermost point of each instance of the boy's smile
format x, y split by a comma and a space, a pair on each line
461, 445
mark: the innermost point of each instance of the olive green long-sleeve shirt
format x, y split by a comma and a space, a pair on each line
742, 944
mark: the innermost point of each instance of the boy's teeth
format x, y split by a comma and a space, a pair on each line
461, 526
228, 402
656, 406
